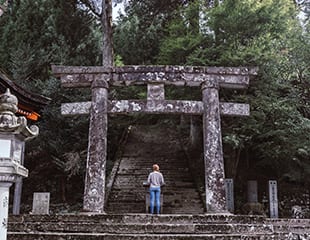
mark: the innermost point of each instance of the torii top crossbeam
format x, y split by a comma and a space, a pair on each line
192, 76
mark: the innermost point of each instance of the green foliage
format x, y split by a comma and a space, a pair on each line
274, 140
36, 34
243, 32
183, 36
138, 33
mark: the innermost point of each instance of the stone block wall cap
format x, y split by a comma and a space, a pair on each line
210, 84
102, 82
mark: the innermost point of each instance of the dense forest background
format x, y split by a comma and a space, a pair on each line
273, 143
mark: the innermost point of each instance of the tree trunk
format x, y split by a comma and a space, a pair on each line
106, 22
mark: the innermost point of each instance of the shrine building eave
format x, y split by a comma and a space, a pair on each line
29, 104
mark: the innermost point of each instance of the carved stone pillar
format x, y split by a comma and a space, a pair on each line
213, 152
94, 191
155, 94
4, 207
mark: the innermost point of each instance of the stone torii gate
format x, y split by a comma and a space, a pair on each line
210, 79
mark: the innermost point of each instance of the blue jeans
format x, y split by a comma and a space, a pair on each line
155, 199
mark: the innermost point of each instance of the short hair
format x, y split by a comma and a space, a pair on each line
155, 167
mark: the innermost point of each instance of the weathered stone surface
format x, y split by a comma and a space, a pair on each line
213, 153
234, 109
185, 79
78, 108
155, 92
60, 70
229, 187
94, 190
145, 226
252, 191
156, 107
174, 75
41, 203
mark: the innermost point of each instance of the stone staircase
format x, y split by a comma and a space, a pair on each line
145, 146
126, 218
151, 227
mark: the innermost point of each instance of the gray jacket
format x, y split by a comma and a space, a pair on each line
155, 179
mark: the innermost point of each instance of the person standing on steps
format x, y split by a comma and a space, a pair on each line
155, 180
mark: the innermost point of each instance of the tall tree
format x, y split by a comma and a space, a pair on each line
138, 32
106, 22
34, 35
258, 33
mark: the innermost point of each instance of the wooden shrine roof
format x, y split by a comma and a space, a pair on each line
29, 104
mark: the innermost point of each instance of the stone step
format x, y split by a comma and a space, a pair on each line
147, 218
127, 196
177, 187
142, 171
104, 236
170, 180
147, 228
167, 196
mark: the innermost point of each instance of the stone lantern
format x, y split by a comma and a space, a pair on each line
13, 134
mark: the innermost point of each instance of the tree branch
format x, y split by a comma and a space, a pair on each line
92, 7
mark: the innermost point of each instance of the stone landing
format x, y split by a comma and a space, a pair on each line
146, 227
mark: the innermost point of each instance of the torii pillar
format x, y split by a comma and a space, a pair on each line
213, 152
94, 190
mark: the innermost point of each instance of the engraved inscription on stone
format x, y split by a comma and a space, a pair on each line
5, 205
41, 202
252, 192
273, 199
229, 187
5, 202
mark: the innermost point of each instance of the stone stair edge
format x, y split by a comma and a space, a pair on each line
138, 218
133, 235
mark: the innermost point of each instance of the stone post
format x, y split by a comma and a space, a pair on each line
18, 187
229, 186
213, 153
94, 192
252, 191
4, 206
273, 199
17, 195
